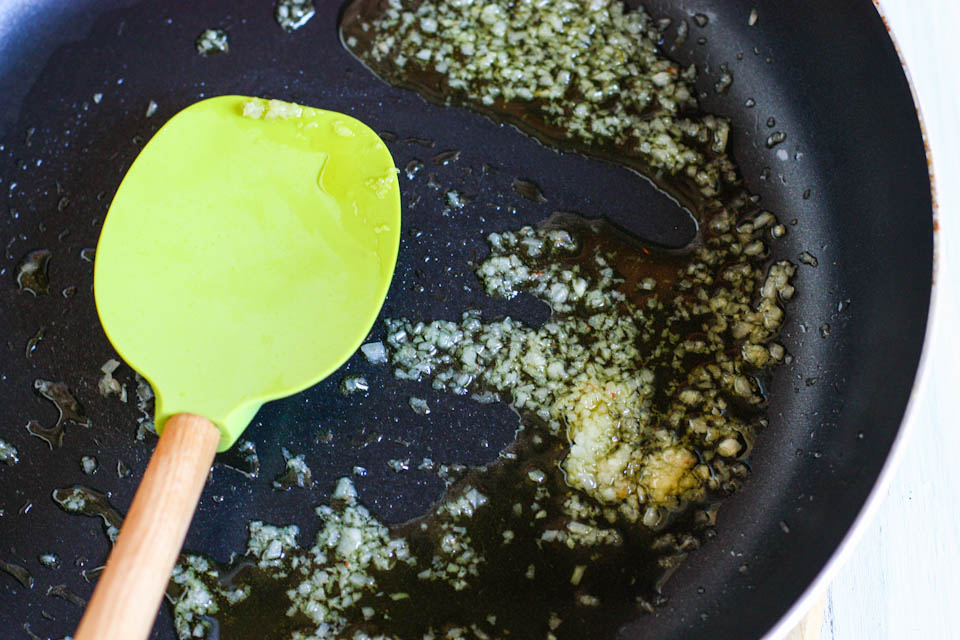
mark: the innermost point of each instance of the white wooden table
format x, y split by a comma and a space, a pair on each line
903, 579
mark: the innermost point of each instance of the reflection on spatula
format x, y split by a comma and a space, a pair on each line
244, 258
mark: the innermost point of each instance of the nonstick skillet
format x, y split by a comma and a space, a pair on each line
77, 82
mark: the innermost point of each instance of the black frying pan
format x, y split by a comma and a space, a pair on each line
826, 72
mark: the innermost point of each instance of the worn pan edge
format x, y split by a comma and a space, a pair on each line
908, 424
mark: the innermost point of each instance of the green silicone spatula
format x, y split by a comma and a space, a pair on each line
244, 258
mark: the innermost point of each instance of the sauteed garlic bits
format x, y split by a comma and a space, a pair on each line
646, 399
581, 73
636, 404
638, 399
637, 369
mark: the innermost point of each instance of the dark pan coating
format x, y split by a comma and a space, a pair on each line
826, 73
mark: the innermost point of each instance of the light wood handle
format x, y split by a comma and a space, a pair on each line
128, 594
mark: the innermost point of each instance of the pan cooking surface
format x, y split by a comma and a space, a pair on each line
854, 179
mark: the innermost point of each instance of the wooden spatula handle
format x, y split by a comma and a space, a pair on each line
125, 601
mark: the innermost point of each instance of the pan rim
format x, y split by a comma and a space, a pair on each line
908, 423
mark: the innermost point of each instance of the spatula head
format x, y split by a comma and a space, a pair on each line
246, 254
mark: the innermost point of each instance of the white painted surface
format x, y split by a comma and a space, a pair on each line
903, 580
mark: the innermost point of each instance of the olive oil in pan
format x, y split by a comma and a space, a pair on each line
18, 573
541, 541
567, 534
84, 501
523, 586
619, 120
68, 410
511, 548
526, 586
32, 275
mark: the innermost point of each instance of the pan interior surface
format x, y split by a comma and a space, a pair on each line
850, 182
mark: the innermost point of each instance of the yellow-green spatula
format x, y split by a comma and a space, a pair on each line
244, 258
